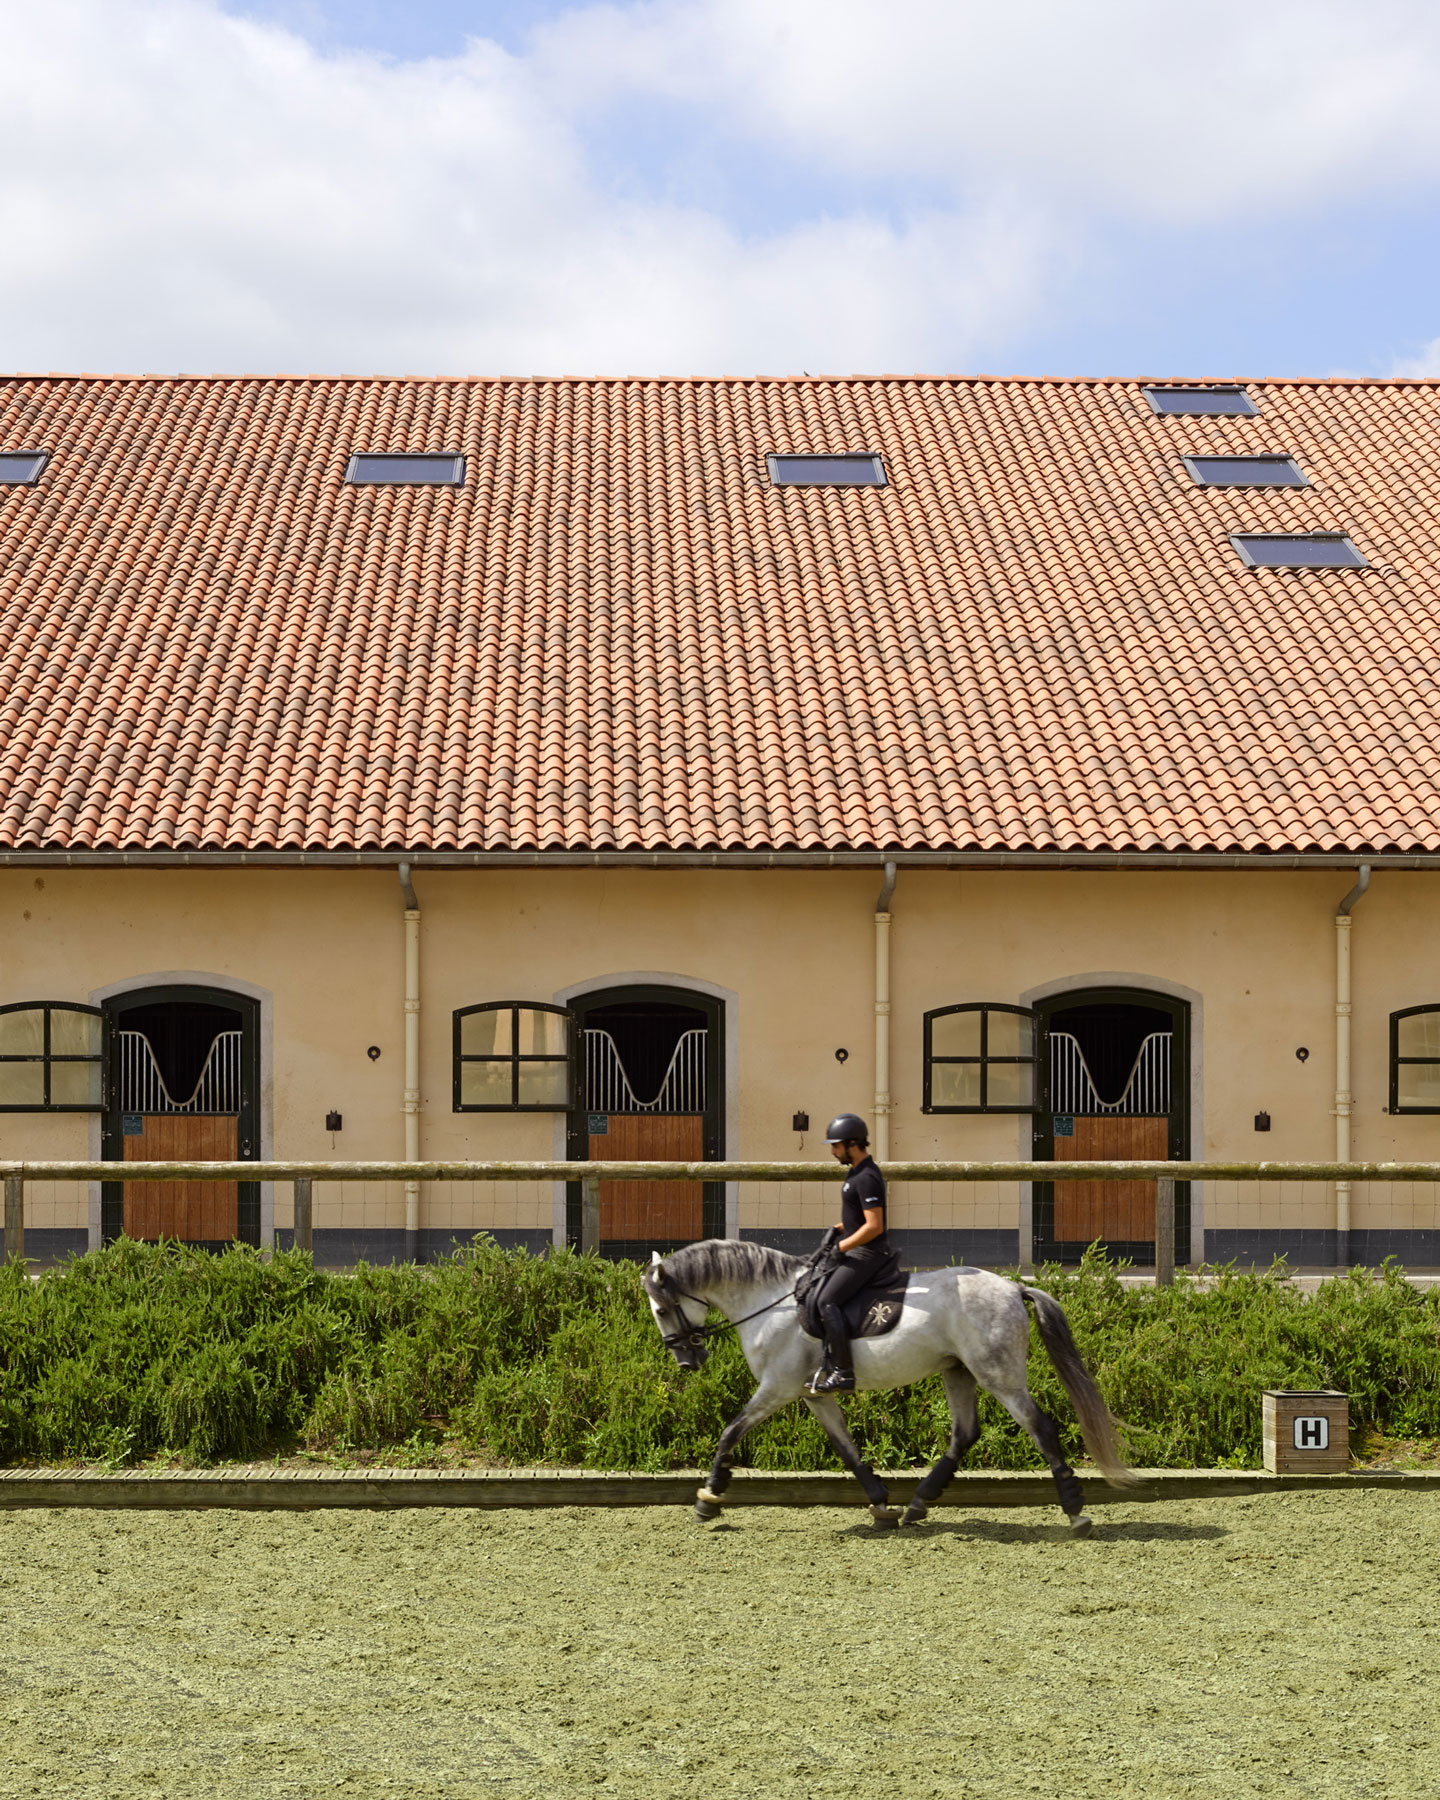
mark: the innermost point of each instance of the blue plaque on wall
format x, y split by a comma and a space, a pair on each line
599, 1125
131, 1125
1064, 1125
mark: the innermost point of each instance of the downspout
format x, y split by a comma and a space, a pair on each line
411, 1104
1344, 1100
882, 1017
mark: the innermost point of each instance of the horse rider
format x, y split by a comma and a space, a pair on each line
864, 1253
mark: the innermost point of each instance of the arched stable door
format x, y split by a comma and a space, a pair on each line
1114, 1084
650, 1090
183, 1085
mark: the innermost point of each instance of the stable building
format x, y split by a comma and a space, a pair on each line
653, 768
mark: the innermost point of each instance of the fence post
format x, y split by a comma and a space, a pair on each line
15, 1218
590, 1213
1164, 1233
304, 1239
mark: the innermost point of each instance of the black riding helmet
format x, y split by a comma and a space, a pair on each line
848, 1128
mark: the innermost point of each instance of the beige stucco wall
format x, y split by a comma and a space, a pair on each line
795, 950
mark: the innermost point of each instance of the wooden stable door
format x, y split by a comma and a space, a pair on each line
642, 1212
1116, 1212
198, 1212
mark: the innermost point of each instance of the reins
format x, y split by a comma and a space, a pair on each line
698, 1334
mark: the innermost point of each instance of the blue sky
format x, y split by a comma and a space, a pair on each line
726, 186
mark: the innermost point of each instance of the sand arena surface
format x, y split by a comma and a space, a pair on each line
1281, 1645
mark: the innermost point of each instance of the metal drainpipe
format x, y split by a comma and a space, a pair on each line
1344, 1100
411, 1105
882, 1017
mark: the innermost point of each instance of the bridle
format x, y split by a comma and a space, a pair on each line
695, 1337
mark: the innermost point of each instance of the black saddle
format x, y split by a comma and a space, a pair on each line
870, 1313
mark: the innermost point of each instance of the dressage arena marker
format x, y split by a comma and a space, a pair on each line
265, 1488
1307, 1431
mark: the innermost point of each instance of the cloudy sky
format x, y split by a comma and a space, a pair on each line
722, 186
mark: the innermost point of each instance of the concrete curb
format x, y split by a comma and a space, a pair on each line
266, 1488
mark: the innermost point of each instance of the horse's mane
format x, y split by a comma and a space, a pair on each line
729, 1260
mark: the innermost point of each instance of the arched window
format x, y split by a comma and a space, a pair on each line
514, 1058
980, 1057
51, 1057
1415, 1060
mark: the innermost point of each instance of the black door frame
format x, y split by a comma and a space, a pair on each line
1043, 1243
577, 1133
112, 1139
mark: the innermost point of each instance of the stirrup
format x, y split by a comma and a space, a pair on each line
825, 1382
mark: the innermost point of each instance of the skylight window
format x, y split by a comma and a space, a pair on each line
1314, 550
826, 471
406, 471
1246, 471
1207, 401
22, 468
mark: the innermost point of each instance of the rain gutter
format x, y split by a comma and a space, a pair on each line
882, 1017
1158, 861
410, 1105
1344, 1099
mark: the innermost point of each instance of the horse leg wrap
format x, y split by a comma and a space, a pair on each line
876, 1491
886, 1516
718, 1480
1067, 1486
930, 1490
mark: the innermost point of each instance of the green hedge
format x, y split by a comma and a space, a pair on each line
139, 1349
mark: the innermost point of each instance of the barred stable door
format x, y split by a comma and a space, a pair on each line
1113, 1063
183, 1080
651, 1065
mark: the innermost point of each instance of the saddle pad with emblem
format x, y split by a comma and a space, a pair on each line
870, 1313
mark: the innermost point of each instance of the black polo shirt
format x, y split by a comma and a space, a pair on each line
864, 1187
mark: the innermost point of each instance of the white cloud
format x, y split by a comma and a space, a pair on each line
200, 191
1422, 367
1162, 110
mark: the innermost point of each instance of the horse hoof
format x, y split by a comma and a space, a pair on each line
706, 1510
1081, 1525
915, 1513
886, 1517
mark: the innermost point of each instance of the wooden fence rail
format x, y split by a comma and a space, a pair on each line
714, 1171
590, 1174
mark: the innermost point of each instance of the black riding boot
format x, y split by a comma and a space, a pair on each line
837, 1375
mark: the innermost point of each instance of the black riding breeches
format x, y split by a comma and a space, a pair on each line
851, 1275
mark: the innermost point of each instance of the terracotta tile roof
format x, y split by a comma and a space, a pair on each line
619, 635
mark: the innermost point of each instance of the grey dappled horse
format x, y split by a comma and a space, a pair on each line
966, 1324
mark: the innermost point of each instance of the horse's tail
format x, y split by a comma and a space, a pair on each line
1100, 1428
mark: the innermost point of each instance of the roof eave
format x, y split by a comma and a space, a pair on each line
1093, 860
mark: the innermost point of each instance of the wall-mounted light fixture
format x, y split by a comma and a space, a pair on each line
801, 1122
1262, 1121
333, 1121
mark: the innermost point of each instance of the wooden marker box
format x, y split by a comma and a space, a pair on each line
1307, 1431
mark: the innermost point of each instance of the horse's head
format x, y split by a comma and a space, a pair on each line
679, 1317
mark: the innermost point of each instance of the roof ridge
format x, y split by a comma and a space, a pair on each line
1291, 381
